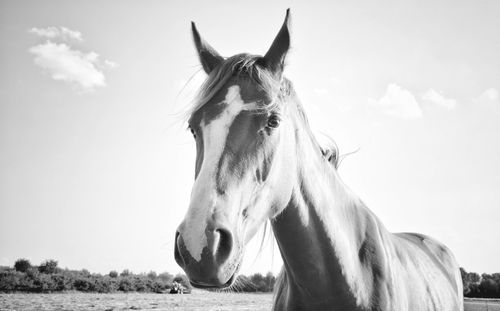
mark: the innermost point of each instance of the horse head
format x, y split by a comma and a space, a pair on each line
244, 140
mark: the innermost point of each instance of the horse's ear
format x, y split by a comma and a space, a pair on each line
209, 58
274, 59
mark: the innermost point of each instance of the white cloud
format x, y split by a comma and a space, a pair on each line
399, 102
438, 99
54, 32
69, 65
63, 62
110, 64
488, 96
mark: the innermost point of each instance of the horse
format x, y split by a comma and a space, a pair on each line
257, 159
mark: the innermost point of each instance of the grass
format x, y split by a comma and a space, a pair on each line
197, 301
482, 305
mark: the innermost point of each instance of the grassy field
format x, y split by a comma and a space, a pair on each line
197, 301
482, 305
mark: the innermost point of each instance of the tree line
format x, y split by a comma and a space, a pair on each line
480, 286
49, 277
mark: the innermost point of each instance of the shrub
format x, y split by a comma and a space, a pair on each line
84, 284
22, 265
9, 280
48, 267
126, 284
157, 286
140, 283
43, 283
105, 284
166, 278
152, 275
125, 272
62, 282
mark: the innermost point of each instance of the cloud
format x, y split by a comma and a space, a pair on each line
53, 32
488, 96
439, 100
58, 57
110, 64
66, 64
399, 102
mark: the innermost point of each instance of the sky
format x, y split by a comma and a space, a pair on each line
96, 165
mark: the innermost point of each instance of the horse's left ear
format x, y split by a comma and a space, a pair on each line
209, 58
274, 59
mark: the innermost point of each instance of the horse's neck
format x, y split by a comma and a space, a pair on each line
320, 234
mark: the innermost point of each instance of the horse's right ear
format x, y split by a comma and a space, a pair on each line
209, 58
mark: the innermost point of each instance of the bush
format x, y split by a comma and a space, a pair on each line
48, 267
10, 280
157, 286
126, 285
166, 277
43, 283
49, 278
84, 284
140, 283
62, 282
152, 275
125, 272
106, 284
22, 265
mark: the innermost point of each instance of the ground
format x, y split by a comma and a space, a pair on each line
197, 301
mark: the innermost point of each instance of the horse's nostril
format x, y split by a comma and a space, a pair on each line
224, 246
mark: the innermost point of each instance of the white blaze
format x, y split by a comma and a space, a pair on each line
204, 193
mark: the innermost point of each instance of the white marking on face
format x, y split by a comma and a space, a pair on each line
204, 195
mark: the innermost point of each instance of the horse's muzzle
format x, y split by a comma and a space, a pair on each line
214, 269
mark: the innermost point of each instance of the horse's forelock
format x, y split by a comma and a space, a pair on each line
244, 66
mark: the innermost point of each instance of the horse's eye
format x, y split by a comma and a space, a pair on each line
273, 121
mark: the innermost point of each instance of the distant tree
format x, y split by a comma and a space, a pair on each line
269, 279
157, 286
489, 288
126, 284
470, 281
48, 267
113, 274
166, 278
22, 265
152, 275
105, 284
62, 281
258, 281
43, 283
125, 272
10, 280
84, 284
